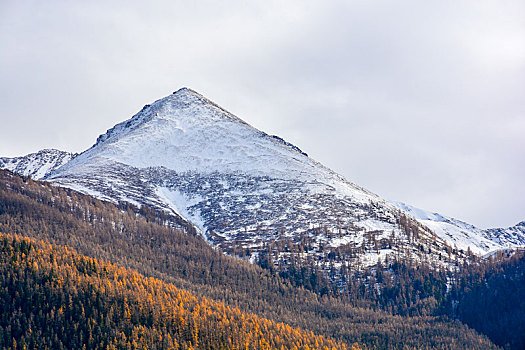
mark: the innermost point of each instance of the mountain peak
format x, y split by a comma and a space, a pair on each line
189, 96
185, 131
182, 89
182, 105
185, 90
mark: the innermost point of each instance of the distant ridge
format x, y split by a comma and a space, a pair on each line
464, 235
37, 165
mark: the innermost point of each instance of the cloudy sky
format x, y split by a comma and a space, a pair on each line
419, 101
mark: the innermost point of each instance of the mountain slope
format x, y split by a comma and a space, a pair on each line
141, 240
37, 165
491, 299
464, 235
81, 302
242, 188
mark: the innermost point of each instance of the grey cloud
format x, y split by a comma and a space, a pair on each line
420, 102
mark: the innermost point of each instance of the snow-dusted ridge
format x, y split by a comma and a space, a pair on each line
37, 165
513, 236
466, 236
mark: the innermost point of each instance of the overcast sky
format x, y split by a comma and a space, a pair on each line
418, 101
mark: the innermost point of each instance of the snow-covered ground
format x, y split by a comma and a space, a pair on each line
464, 235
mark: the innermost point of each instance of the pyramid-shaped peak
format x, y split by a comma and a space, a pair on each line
184, 90
182, 107
187, 92
190, 102
186, 132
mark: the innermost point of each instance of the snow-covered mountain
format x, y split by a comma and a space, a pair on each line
243, 189
464, 235
248, 192
37, 165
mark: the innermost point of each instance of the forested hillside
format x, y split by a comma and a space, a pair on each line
53, 298
491, 298
143, 240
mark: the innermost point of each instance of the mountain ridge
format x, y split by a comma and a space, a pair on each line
39, 164
465, 235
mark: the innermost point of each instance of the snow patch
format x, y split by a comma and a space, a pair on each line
181, 204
